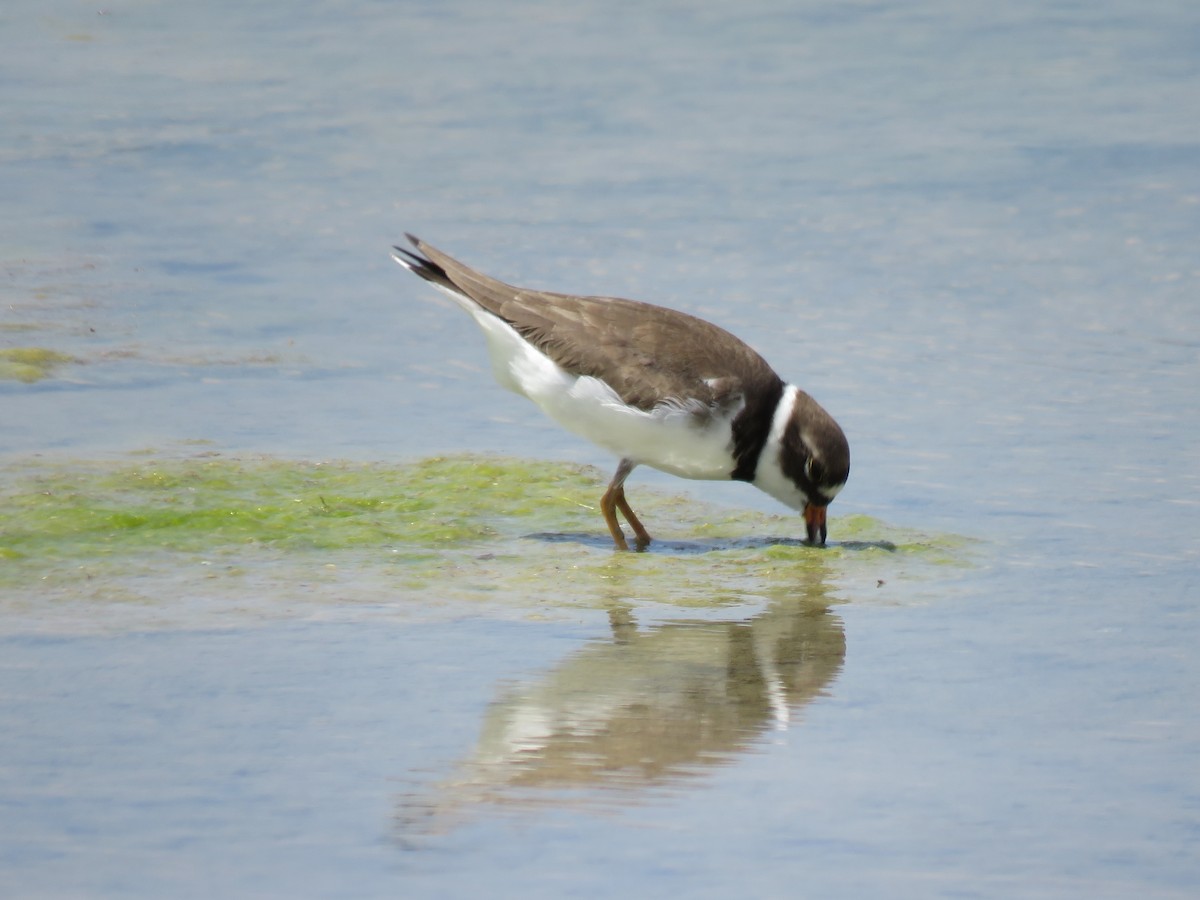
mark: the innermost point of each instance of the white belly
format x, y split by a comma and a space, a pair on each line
668, 438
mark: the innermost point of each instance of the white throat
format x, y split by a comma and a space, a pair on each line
769, 475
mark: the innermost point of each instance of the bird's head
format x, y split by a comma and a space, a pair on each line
815, 455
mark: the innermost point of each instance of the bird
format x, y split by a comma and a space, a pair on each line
652, 385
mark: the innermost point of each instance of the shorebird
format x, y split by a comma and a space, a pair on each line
654, 386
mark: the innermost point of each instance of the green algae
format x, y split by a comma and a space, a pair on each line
212, 504
30, 364
437, 531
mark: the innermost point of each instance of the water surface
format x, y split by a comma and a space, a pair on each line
968, 230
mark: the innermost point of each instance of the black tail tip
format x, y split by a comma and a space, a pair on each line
405, 256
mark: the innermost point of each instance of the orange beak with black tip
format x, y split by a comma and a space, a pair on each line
814, 522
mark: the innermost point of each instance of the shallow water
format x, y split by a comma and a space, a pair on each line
969, 231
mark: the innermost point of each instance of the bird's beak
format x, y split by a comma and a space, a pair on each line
814, 521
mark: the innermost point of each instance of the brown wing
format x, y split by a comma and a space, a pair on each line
648, 354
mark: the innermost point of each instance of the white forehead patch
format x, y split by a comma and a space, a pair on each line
810, 444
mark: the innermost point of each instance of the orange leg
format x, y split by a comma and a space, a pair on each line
643, 537
607, 504
614, 499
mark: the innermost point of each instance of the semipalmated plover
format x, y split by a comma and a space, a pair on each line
654, 386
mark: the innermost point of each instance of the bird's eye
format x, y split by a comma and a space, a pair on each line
813, 470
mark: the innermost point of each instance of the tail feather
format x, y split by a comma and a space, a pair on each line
423, 266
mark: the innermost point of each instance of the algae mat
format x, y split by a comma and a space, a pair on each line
170, 541
29, 364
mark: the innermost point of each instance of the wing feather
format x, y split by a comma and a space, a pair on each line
649, 355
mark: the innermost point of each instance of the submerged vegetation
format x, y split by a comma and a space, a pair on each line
437, 529
30, 364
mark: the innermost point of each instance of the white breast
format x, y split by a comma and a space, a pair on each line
670, 437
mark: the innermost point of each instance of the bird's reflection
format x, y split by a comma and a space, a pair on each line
644, 709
